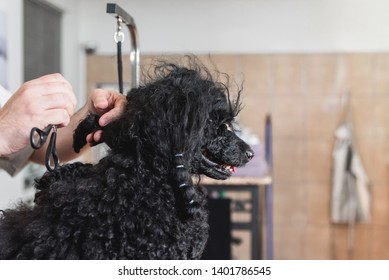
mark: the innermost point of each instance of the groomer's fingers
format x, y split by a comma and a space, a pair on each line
38, 111
94, 138
55, 101
111, 115
98, 136
117, 105
68, 96
58, 89
50, 78
109, 104
50, 84
100, 99
89, 139
58, 117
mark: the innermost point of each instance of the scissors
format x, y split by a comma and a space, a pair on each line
51, 151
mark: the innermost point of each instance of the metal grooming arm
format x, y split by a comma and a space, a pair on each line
124, 17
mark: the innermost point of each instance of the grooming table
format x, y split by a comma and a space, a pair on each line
253, 204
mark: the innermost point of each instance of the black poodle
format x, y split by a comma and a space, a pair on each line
140, 201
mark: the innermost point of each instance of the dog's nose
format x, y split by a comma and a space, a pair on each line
249, 155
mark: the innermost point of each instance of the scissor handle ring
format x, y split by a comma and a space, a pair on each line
41, 139
51, 151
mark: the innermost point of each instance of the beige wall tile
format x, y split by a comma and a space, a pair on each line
351, 242
374, 156
339, 242
380, 243
322, 117
289, 243
257, 73
369, 117
381, 75
290, 204
321, 75
289, 161
288, 74
317, 243
288, 118
227, 64
253, 114
380, 205
362, 242
318, 203
358, 76
319, 161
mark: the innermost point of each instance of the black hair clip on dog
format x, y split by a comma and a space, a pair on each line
51, 150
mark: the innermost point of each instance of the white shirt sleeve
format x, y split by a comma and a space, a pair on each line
4, 96
16, 161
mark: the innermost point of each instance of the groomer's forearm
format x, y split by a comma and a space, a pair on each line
65, 137
64, 143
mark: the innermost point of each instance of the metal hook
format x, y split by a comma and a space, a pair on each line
119, 35
125, 18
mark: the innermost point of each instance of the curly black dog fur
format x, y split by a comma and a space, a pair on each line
140, 201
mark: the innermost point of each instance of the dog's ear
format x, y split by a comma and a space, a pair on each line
86, 126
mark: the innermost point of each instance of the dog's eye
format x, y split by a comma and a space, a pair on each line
227, 126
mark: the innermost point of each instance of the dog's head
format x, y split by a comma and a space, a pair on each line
220, 149
182, 118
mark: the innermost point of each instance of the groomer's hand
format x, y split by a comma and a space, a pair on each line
37, 103
109, 104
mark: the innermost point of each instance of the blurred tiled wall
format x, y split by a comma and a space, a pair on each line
305, 95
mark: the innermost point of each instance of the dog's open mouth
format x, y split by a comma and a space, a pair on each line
215, 168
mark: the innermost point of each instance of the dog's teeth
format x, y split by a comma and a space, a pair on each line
229, 168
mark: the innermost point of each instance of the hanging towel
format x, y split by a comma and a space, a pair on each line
351, 196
